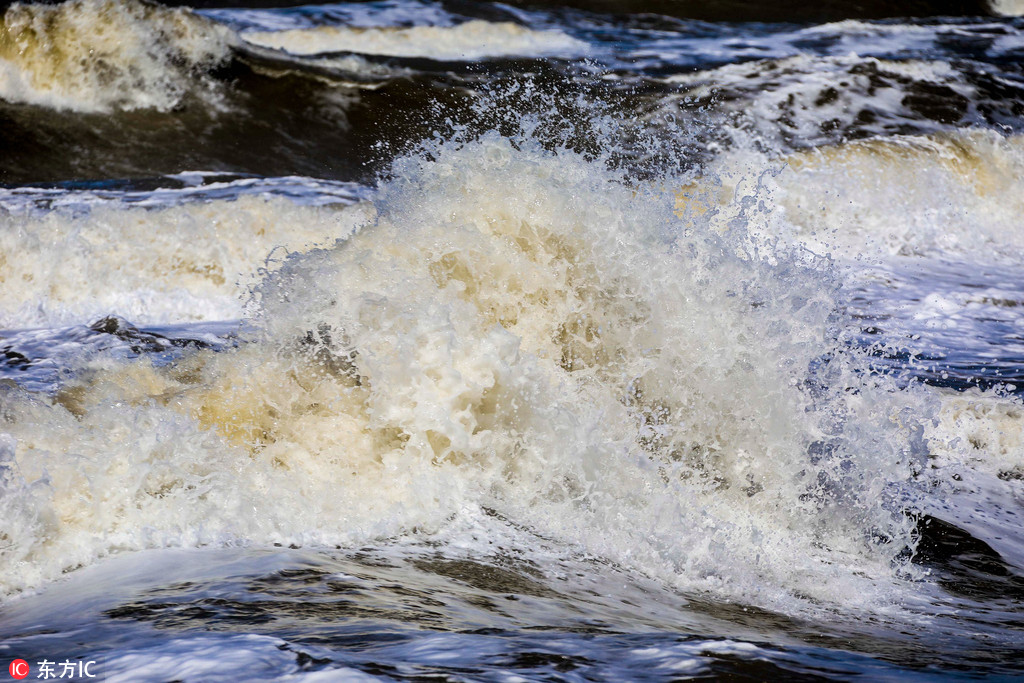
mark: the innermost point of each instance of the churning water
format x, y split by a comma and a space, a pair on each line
477, 341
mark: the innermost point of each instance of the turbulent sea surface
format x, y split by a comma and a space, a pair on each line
480, 341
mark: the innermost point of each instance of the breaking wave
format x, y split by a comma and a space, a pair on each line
100, 55
470, 40
510, 330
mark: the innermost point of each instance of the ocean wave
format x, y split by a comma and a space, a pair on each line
101, 55
151, 265
951, 194
467, 41
518, 331
807, 100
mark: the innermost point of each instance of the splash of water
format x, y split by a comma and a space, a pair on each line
513, 329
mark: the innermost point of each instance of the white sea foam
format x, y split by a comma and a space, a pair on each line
150, 265
100, 55
1008, 8
953, 195
517, 331
981, 431
814, 99
467, 41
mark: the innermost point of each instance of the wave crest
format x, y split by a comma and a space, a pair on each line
102, 55
470, 40
518, 331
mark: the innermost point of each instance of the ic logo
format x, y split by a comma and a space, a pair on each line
18, 669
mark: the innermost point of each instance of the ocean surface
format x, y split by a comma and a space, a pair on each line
529, 341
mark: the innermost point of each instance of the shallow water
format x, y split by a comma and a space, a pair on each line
477, 341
